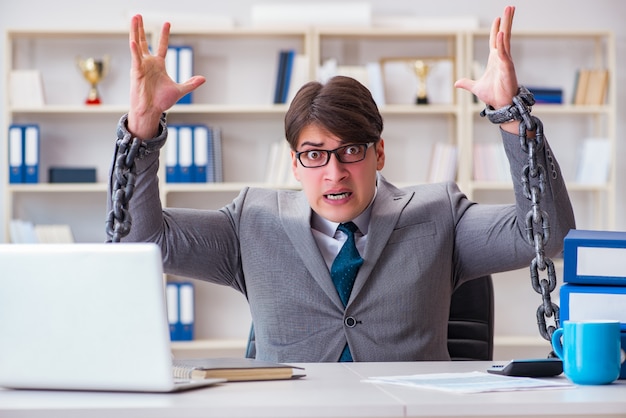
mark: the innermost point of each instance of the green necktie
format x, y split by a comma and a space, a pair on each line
346, 264
343, 271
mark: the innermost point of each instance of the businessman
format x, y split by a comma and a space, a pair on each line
350, 268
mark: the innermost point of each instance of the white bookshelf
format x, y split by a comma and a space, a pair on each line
548, 58
240, 66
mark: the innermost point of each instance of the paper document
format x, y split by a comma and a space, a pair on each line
471, 382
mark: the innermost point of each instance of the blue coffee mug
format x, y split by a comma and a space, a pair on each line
590, 351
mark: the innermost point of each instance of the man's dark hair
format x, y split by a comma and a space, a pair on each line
343, 106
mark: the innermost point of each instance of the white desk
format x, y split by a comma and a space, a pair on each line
329, 390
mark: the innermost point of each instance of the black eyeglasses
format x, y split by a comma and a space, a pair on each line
347, 154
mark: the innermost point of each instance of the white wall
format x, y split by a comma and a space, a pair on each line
531, 14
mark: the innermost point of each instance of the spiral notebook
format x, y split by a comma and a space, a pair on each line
85, 317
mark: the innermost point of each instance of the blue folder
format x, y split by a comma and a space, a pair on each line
594, 257
580, 302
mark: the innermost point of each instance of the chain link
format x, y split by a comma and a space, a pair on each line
119, 220
537, 221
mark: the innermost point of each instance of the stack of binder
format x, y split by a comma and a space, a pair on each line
594, 276
180, 310
193, 154
23, 153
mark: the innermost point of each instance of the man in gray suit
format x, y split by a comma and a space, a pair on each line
415, 245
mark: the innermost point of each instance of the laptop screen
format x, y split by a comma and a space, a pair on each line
83, 316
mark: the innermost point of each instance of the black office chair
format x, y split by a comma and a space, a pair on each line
470, 327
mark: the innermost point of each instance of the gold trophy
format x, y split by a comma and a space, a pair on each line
94, 71
421, 69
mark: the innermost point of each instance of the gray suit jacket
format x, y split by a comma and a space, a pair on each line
423, 241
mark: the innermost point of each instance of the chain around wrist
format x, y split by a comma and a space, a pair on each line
518, 110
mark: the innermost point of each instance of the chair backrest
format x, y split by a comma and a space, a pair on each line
470, 327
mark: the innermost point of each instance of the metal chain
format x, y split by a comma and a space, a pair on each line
534, 184
537, 223
118, 220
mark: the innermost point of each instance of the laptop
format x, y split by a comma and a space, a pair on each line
85, 317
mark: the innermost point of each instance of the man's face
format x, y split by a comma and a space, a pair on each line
337, 191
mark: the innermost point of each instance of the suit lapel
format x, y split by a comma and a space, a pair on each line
295, 214
386, 210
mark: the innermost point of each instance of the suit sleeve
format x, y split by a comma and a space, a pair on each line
493, 238
201, 244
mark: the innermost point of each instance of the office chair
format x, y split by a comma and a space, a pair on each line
470, 327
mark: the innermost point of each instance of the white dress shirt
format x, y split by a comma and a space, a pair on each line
330, 240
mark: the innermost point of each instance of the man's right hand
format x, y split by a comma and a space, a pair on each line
152, 91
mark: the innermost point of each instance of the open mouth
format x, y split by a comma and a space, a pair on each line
338, 196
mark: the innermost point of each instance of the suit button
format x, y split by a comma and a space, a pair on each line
350, 322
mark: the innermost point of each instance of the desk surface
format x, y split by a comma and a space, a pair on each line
329, 390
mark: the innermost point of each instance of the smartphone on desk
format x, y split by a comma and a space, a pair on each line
543, 367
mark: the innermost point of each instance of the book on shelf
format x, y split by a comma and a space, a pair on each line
299, 75
597, 87
22, 232
218, 166
179, 66
291, 74
54, 234
283, 75
185, 154
25, 232
591, 86
370, 75
16, 154
72, 174
272, 172
547, 95
193, 154
201, 154
23, 153
490, 162
594, 257
580, 87
280, 76
234, 369
375, 82
594, 161
180, 310
443, 163
185, 70
26, 88
279, 172
171, 155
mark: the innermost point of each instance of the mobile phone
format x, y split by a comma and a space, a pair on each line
543, 367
